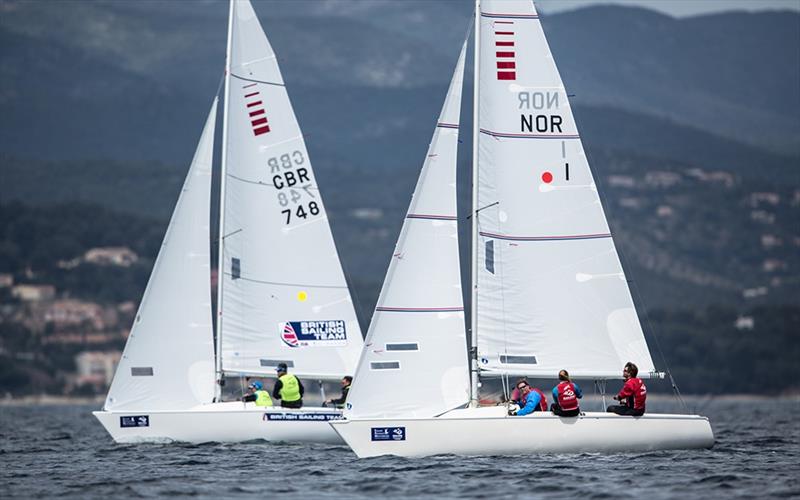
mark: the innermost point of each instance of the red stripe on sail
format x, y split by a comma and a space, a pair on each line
251, 94
504, 44
505, 54
506, 65
503, 22
262, 130
259, 121
261, 111
506, 75
504, 33
254, 104
249, 85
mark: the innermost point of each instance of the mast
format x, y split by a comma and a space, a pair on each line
221, 238
473, 352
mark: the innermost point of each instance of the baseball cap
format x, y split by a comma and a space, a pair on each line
281, 367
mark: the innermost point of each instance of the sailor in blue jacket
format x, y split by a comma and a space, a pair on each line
530, 398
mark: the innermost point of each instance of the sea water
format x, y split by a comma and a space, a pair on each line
58, 451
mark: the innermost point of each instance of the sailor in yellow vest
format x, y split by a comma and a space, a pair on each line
288, 388
256, 392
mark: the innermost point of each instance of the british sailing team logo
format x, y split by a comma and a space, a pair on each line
289, 336
330, 333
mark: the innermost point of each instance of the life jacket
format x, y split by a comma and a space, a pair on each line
567, 399
542, 399
263, 399
639, 392
290, 388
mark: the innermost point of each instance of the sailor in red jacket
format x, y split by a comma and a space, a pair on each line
633, 394
565, 396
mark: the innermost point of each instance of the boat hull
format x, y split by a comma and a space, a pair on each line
228, 422
489, 431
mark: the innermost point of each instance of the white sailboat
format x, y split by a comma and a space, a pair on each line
548, 289
282, 295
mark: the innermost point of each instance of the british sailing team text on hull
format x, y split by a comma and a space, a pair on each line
548, 288
282, 294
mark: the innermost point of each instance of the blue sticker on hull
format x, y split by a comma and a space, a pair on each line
388, 433
135, 421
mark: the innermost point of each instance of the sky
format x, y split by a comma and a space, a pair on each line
676, 8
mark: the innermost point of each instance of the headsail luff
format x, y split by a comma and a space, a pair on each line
168, 358
284, 295
551, 291
416, 337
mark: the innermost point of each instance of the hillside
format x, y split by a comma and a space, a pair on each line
115, 80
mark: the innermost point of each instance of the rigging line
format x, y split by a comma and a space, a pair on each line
257, 81
221, 84
241, 179
277, 283
638, 295
217, 240
483, 208
502, 290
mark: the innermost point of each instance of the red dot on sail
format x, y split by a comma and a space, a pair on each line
547, 177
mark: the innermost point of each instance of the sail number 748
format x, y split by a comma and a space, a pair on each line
301, 211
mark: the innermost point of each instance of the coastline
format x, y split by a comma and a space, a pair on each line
51, 400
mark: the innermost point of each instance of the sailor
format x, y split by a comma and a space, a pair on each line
288, 388
633, 394
565, 396
339, 402
530, 399
256, 392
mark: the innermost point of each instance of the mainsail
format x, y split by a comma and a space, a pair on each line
168, 359
283, 298
416, 337
551, 292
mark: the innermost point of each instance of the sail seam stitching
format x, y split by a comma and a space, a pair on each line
431, 217
286, 284
419, 309
528, 136
546, 238
257, 81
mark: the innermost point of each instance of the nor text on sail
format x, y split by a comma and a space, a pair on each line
534, 107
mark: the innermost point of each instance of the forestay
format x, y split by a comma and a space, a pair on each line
168, 358
551, 291
284, 296
414, 361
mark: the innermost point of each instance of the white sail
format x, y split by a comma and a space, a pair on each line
284, 297
168, 358
416, 337
551, 292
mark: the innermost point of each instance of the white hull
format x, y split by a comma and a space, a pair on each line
489, 431
228, 422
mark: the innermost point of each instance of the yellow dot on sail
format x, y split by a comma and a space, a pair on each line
302, 296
